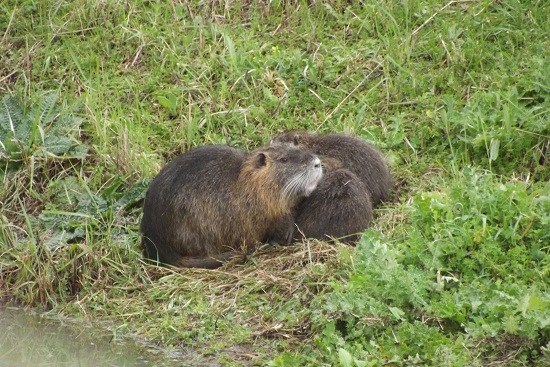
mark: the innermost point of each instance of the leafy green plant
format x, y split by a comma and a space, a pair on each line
470, 270
168, 101
78, 212
41, 131
484, 226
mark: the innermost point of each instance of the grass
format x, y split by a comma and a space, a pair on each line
456, 94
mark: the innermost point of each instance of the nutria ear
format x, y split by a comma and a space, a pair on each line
261, 160
296, 139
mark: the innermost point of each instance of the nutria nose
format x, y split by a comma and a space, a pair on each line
317, 162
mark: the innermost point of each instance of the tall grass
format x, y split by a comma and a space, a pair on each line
456, 94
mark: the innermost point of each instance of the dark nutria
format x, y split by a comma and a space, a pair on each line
339, 207
356, 178
215, 202
355, 154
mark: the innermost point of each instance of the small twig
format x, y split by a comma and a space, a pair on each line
9, 25
7, 76
405, 103
138, 53
316, 95
238, 110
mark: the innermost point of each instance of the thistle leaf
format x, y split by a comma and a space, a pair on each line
57, 145
11, 116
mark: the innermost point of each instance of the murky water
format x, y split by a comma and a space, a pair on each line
28, 339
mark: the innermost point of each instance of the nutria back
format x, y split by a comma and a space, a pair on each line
356, 155
215, 202
338, 208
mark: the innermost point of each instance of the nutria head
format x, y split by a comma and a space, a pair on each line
293, 137
281, 172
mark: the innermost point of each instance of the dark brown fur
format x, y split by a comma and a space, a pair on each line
356, 178
355, 154
338, 208
215, 203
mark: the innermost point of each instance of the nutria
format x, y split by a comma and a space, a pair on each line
339, 207
356, 178
355, 154
215, 203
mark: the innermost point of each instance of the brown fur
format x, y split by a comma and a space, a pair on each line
215, 203
338, 208
356, 178
355, 155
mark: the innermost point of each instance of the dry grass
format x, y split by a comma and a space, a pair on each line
300, 271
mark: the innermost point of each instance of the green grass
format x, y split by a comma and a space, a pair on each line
456, 94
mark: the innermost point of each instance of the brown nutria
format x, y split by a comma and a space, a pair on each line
339, 207
355, 154
215, 203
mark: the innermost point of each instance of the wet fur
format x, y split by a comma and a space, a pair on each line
338, 208
215, 203
356, 178
355, 155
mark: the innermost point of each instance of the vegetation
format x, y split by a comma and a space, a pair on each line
97, 95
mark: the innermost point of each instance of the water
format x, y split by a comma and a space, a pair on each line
27, 339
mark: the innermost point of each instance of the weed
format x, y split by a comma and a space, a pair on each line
38, 132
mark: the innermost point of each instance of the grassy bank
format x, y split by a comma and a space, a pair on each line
98, 95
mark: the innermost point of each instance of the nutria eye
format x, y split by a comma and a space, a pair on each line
284, 159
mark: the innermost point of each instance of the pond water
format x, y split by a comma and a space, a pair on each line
28, 339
